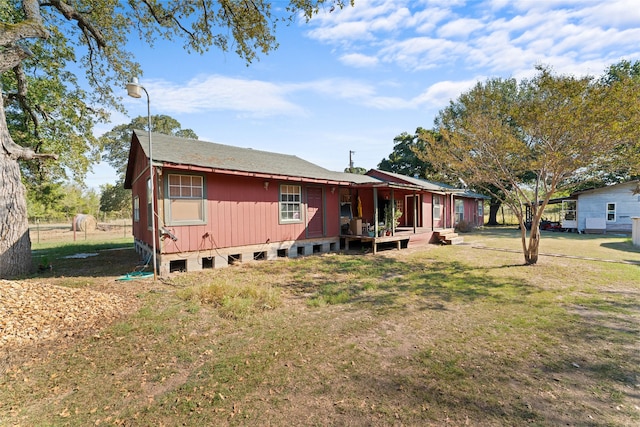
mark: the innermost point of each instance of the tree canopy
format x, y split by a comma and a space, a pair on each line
46, 114
115, 143
523, 141
404, 159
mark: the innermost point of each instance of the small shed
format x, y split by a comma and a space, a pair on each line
608, 209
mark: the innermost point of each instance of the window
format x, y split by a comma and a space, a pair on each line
436, 207
481, 211
459, 207
611, 212
186, 199
290, 197
136, 209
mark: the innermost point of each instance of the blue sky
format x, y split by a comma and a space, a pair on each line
353, 79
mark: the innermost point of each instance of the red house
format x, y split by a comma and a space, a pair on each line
218, 204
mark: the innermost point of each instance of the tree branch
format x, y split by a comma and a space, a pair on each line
83, 22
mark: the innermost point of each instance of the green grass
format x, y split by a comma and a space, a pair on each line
110, 257
447, 335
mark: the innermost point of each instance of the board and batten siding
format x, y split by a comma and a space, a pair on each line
593, 204
243, 211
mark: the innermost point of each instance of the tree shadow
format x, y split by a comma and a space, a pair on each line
103, 260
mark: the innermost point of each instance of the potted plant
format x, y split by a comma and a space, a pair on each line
391, 218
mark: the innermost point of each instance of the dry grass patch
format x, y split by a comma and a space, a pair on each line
441, 335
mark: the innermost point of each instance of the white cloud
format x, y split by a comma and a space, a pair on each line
439, 94
504, 36
502, 39
359, 60
459, 28
207, 93
420, 53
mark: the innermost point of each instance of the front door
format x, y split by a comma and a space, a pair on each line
412, 203
315, 212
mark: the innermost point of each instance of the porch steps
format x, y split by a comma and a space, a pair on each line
449, 237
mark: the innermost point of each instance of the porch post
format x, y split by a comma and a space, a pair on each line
415, 212
451, 212
393, 214
375, 212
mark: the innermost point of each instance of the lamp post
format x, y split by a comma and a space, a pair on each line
133, 90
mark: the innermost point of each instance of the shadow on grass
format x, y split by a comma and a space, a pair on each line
388, 283
622, 246
110, 259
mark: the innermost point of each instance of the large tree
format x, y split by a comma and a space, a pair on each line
552, 127
115, 143
405, 159
92, 35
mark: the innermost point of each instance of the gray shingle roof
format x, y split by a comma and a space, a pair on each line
182, 151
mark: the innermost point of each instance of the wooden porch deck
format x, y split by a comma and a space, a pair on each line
402, 236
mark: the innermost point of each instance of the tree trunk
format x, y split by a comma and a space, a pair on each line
494, 208
15, 244
531, 254
531, 245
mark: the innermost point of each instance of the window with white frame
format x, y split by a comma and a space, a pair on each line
136, 209
459, 210
481, 211
611, 212
186, 199
437, 206
290, 203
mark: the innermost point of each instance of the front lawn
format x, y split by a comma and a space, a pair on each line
432, 335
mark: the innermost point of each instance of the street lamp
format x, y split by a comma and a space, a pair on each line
133, 90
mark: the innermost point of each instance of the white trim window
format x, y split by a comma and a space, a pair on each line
437, 207
290, 203
611, 212
185, 199
136, 209
459, 210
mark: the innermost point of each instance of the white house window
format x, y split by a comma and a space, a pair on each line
136, 209
186, 199
481, 211
459, 209
436, 207
290, 203
611, 212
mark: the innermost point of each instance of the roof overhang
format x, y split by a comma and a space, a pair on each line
204, 169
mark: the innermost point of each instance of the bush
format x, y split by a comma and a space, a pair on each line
464, 227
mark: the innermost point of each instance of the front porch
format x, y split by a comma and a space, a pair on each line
403, 236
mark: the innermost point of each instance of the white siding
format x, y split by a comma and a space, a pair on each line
593, 204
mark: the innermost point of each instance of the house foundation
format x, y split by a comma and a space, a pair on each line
223, 257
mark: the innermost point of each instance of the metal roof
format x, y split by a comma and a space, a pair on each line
422, 183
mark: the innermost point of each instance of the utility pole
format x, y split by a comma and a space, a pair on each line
351, 161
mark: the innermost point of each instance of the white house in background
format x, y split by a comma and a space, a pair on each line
606, 209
